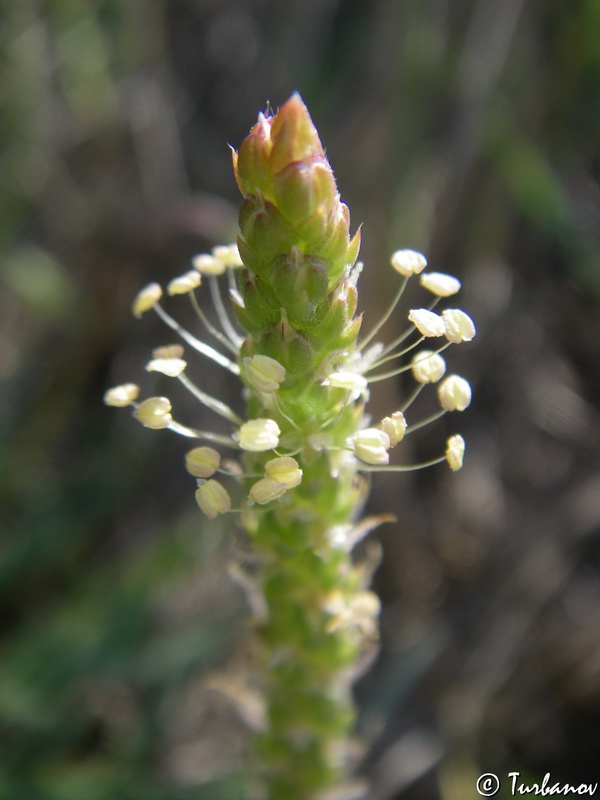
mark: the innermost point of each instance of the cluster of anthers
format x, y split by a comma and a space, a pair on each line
369, 447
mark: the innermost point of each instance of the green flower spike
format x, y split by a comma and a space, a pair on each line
305, 442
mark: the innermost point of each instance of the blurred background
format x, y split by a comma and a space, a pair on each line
466, 129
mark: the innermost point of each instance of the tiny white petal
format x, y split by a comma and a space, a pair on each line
428, 323
440, 284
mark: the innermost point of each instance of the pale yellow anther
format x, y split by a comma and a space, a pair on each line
184, 283
172, 367
202, 462
121, 396
213, 498
440, 284
264, 373
366, 603
265, 490
394, 426
351, 381
146, 299
458, 326
155, 412
408, 262
207, 264
371, 445
258, 435
284, 470
168, 351
454, 393
359, 610
455, 451
428, 323
427, 366
228, 254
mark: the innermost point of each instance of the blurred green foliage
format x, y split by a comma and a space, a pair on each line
468, 129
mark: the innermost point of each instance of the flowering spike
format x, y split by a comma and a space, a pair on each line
292, 279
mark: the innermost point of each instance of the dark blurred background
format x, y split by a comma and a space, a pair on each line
467, 129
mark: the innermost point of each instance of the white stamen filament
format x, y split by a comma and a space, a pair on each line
401, 353
284, 415
198, 345
230, 331
193, 433
412, 397
426, 421
210, 402
209, 326
406, 333
386, 316
406, 468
